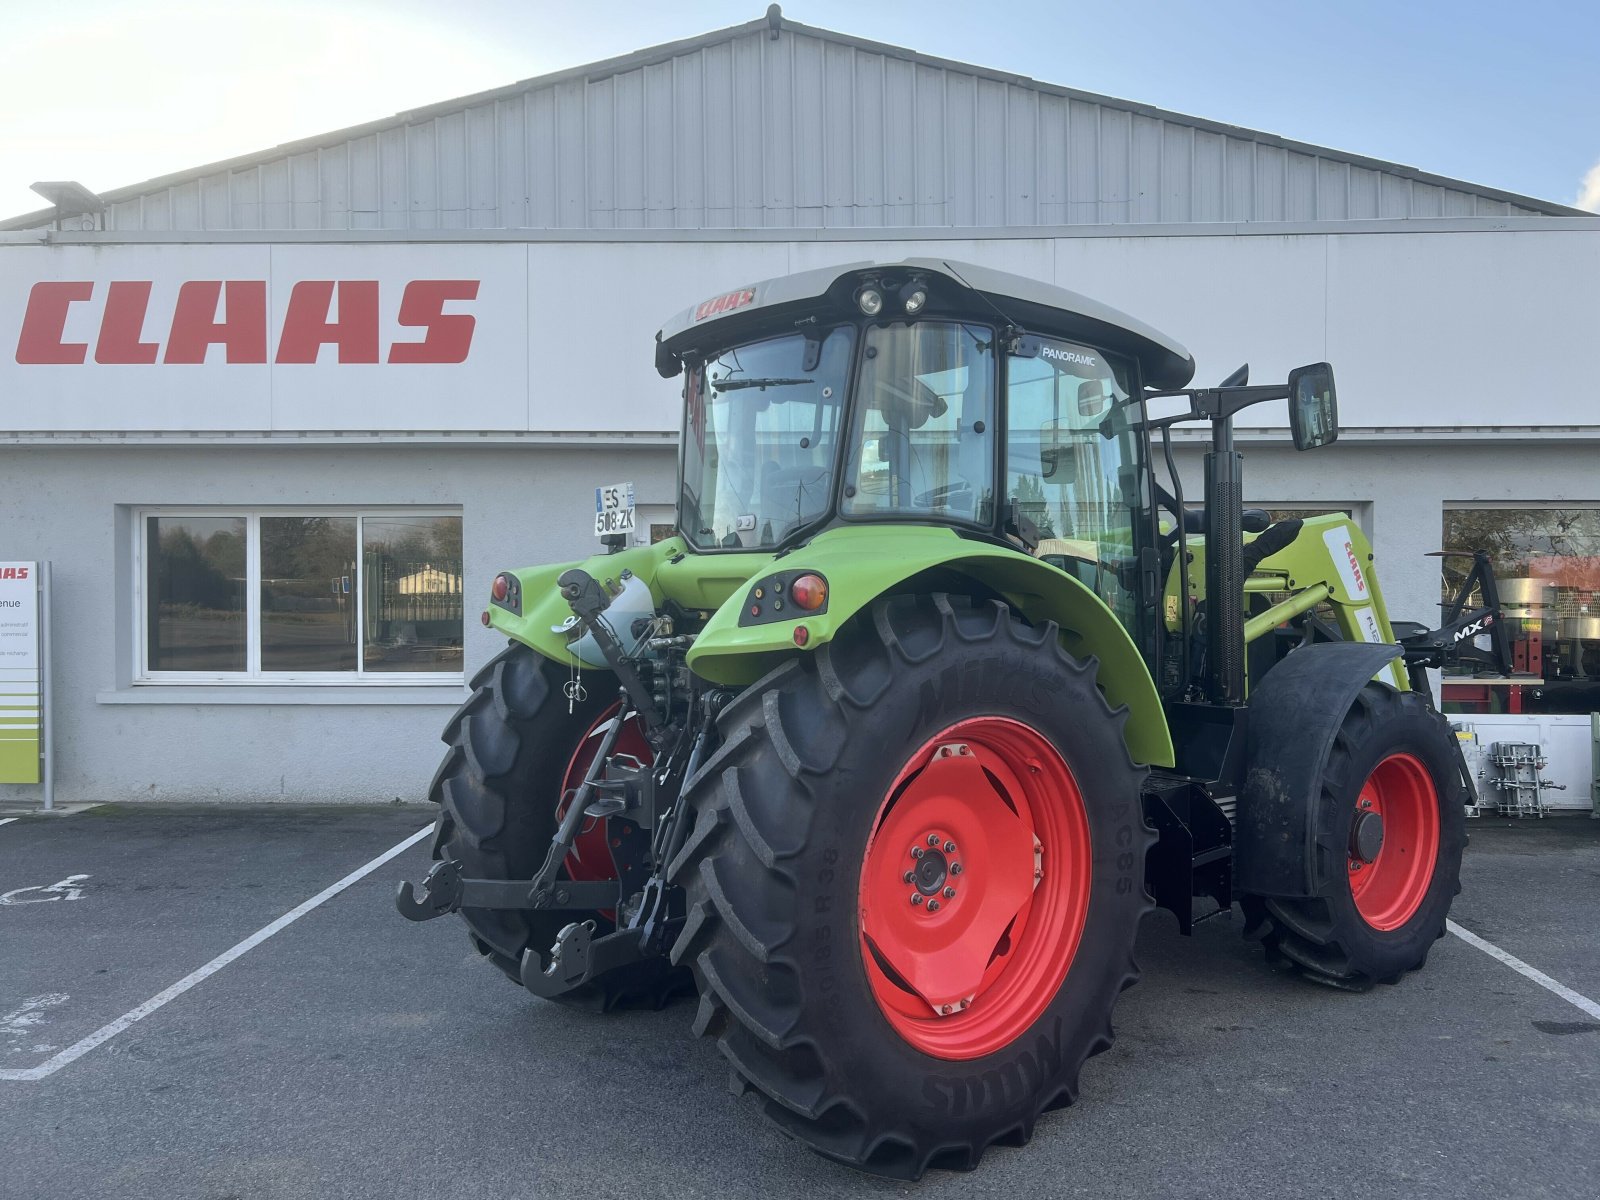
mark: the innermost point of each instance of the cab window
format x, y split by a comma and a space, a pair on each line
1072, 461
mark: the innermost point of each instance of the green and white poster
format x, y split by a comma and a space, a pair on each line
19, 672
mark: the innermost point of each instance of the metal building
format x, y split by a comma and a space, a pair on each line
356, 360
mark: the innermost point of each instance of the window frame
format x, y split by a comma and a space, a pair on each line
253, 675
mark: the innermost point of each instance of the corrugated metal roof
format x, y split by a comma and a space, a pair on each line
744, 128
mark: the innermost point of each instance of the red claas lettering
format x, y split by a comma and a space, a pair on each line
345, 314
449, 334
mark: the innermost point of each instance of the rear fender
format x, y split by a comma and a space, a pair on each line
861, 563
543, 609
1294, 715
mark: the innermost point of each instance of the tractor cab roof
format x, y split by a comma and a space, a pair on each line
954, 289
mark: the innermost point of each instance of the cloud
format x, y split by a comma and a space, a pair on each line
1589, 190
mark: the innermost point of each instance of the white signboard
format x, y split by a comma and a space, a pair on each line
264, 337
613, 509
19, 672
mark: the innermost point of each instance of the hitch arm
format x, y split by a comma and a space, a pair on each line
446, 891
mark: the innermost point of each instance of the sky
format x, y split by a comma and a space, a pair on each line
113, 92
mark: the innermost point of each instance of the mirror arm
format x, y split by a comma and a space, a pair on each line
1218, 403
1223, 402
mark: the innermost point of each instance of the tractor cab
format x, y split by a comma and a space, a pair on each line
923, 392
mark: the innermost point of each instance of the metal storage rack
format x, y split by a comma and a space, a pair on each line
1519, 787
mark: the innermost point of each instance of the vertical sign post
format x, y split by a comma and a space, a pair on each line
24, 676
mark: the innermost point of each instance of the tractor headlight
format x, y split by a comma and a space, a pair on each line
914, 297
869, 299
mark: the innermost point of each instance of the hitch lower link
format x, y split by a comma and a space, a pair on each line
444, 890
576, 954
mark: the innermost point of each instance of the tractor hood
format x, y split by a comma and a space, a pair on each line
955, 289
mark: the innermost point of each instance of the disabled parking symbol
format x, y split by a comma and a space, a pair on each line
70, 888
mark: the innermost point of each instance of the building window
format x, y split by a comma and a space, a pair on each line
1547, 568
299, 596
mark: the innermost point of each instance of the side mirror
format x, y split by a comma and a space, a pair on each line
1094, 397
1313, 406
1058, 452
667, 363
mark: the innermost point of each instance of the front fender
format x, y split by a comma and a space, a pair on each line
1294, 717
861, 563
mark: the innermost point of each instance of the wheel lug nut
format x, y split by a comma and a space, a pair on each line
955, 868
909, 877
949, 893
949, 847
933, 906
933, 839
916, 852
916, 898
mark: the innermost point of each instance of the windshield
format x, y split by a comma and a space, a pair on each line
922, 441
1072, 461
760, 426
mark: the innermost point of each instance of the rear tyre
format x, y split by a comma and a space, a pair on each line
513, 747
1390, 832
898, 1010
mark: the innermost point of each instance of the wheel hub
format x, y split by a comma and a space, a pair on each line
1394, 841
932, 869
974, 887
1366, 836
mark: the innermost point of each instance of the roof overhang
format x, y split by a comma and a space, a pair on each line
966, 289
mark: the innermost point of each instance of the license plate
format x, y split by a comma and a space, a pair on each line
613, 509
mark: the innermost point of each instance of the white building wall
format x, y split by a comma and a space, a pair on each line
1438, 330
269, 742
1462, 360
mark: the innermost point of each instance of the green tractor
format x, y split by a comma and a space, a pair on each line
939, 687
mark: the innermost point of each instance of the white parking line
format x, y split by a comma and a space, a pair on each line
106, 1032
6, 820
1580, 1002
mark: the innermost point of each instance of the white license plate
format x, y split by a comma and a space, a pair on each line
613, 509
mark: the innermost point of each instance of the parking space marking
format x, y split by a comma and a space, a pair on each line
106, 1032
6, 820
1580, 1002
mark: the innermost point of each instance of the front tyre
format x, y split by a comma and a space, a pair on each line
914, 883
1390, 832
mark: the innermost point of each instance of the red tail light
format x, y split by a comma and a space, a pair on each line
501, 587
810, 592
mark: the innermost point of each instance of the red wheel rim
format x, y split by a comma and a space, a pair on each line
998, 819
1389, 887
590, 857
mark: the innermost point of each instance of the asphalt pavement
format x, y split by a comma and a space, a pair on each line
352, 1054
